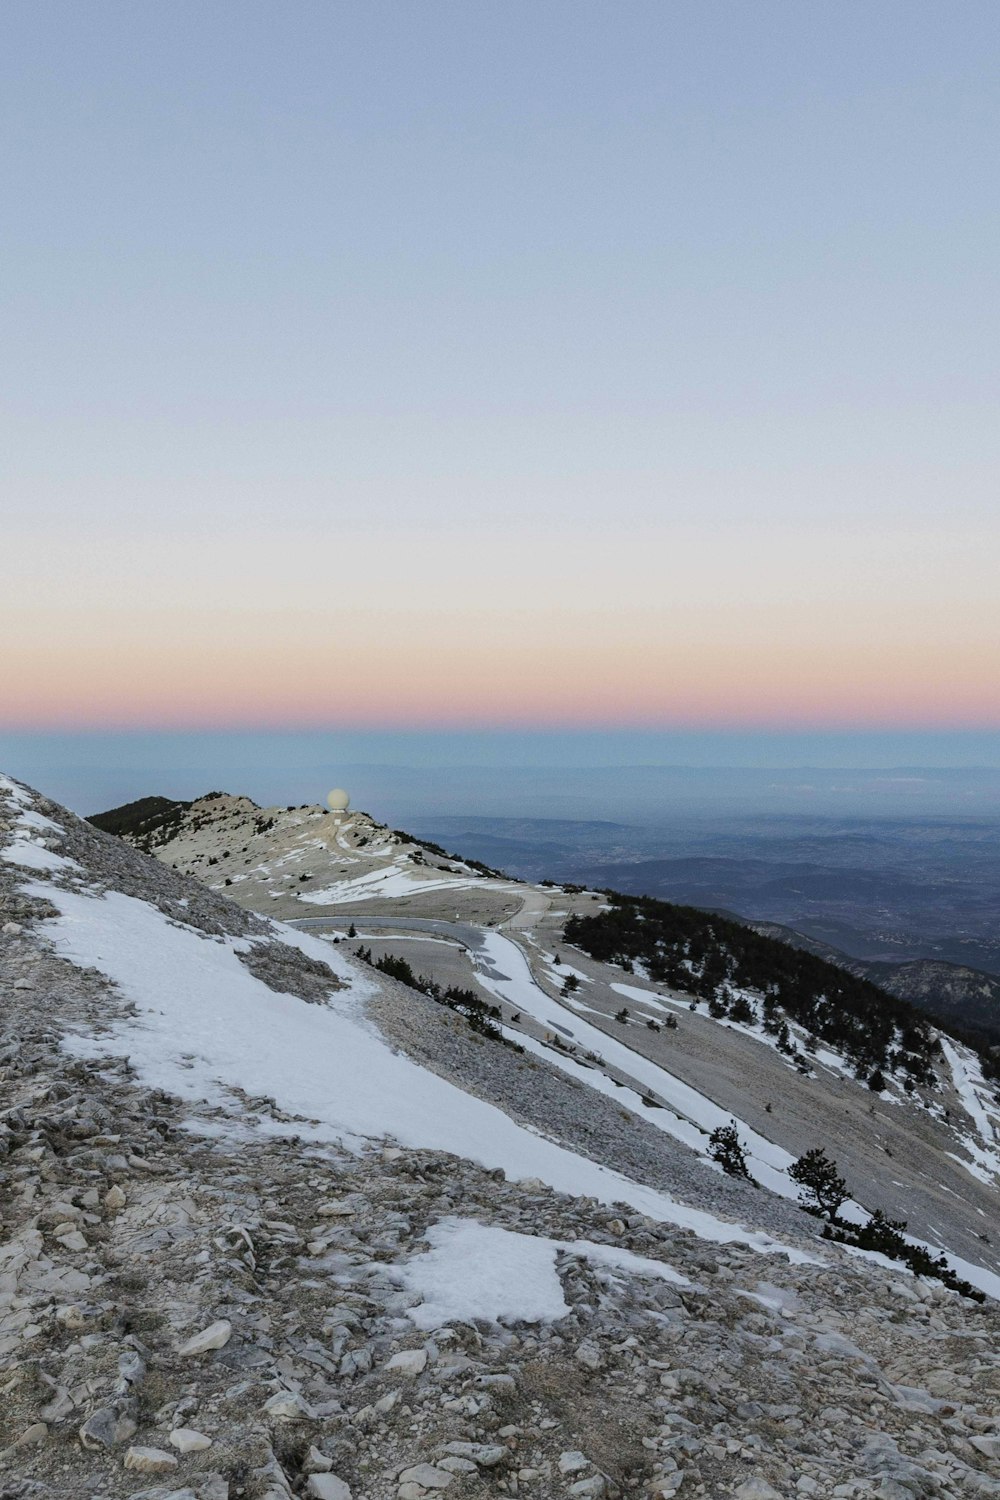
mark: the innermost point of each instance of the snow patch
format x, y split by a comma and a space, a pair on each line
476, 1270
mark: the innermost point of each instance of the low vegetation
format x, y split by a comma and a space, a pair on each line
148, 821
481, 1016
746, 977
726, 1148
823, 1191
462, 859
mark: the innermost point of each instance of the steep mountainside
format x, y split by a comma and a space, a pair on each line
276, 1224
727, 1025
960, 998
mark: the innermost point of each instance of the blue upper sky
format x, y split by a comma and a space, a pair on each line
566, 363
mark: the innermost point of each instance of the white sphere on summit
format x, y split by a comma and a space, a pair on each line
338, 800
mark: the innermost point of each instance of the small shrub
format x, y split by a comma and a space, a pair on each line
725, 1147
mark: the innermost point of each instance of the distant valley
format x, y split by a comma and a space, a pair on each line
910, 903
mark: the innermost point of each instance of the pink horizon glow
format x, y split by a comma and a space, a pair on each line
163, 696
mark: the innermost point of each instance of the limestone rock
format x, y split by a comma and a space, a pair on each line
428, 1476
327, 1487
408, 1362
187, 1440
149, 1460
215, 1336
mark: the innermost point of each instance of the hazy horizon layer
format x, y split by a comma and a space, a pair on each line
625, 775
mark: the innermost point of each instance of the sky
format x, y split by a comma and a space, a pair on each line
500, 367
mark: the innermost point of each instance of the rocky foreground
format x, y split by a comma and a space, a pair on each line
209, 1303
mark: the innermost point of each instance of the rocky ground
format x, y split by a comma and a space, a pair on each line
195, 1307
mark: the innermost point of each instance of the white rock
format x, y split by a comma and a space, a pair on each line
149, 1460
36, 1433
408, 1361
327, 1487
317, 1462
287, 1406
74, 1240
756, 1489
428, 1476
485, 1455
573, 1461
115, 1198
215, 1336
187, 1440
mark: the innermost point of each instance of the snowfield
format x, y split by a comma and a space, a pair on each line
206, 1026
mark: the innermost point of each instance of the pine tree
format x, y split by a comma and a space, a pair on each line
821, 1188
725, 1147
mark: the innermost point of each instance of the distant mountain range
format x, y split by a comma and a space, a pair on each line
959, 997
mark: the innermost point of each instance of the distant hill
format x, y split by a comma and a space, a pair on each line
963, 999
142, 822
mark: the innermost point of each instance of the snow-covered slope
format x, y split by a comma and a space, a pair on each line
274, 1224
928, 1156
203, 1025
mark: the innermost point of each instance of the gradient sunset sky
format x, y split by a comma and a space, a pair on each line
500, 364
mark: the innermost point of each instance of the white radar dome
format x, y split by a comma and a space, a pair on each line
338, 800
